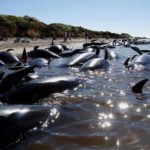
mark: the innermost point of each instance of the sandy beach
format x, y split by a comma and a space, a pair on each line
43, 43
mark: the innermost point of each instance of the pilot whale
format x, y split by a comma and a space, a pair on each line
8, 57
31, 91
41, 53
94, 44
16, 120
13, 78
141, 61
96, 63
83, 57
69, 53
39, 62
57, 49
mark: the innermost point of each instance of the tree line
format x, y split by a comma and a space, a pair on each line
13, 26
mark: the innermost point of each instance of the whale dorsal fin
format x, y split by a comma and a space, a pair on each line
97, 50
136, 49
126, 62
36, 47
106, 56
24, 56
137, 88
133, 57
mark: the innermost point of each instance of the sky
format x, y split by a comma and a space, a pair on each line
118, 16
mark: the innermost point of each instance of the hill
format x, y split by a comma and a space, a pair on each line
13, 26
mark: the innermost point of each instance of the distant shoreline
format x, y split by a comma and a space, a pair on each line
43, 43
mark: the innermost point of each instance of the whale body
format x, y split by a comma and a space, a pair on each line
31, 91
95, 63
42, 53
8, 57
16, 120
39, 62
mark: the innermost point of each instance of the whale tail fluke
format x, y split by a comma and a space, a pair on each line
137, 88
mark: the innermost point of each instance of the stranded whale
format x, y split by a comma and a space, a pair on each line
16, 120
8, 57
31, 91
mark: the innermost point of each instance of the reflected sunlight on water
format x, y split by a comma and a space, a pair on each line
102, 113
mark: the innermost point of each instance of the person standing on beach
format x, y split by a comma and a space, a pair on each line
86, 36
114, 42
65, 36
53, 35
69, 36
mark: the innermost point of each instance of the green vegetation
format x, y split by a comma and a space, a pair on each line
13, 26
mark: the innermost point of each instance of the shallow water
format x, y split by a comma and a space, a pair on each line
102, 113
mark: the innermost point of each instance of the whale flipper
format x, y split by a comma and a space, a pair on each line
137, 88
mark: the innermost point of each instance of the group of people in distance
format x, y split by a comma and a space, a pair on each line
67, 35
